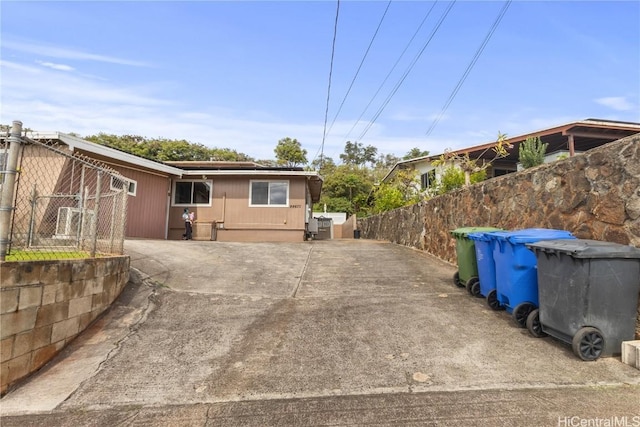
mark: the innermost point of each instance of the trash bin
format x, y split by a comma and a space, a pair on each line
467, 273
588, 293
516, 276
356, 234
484, 242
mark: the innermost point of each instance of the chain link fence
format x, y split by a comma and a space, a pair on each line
64, 205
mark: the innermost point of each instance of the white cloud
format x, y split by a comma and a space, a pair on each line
45, 100
67, 53
54, 66
618, 103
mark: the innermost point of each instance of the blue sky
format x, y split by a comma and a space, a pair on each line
243, 75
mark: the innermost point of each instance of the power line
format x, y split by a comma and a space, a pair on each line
391, 71
333, 50
470, 66
359, 67
406, 73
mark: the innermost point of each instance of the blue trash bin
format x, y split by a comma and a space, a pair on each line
516, 270
484, 242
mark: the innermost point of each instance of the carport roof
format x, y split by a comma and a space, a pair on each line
587, 134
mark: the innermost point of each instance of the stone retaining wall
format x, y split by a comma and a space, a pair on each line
46, 304
595, 195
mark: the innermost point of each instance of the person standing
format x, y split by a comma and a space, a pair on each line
188, 224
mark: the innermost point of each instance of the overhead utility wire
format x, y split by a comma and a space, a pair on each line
333, 50
391, 71
359, 67
397, 86
469, 67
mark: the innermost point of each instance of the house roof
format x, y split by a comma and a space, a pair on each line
587, 134
183, 169
78, 144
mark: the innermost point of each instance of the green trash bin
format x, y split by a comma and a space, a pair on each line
467, 273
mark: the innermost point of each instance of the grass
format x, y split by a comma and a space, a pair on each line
22, 255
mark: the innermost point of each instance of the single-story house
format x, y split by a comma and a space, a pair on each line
565, 140
243, 201
232, 201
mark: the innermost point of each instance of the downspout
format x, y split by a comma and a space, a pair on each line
214, 224
166, 219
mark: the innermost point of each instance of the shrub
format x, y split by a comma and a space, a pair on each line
531, 152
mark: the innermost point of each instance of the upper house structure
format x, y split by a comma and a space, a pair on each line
232, 201
565, 140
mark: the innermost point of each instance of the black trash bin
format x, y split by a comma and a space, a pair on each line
588, 294
356, 234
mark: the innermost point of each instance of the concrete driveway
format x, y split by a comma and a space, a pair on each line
323, 332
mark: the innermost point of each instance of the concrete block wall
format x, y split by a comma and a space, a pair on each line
595, 195
46, 304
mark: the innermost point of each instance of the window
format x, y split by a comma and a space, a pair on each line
117, 184
428, 179
269, 193
188, 193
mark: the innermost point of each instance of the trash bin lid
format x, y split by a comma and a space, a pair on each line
585, 248
483, 236
530, 235
464, 231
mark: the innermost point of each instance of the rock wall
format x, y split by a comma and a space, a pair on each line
595, 195
46, 304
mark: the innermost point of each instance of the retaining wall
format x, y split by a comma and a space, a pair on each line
595, 195
46, 304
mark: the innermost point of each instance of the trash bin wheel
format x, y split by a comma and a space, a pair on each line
588, 343
492, 300
456, 279
533, 324
521, 312
473, 286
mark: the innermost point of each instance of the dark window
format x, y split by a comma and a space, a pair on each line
428, 179
192, 193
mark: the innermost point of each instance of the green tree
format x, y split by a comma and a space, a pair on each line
347, 189
531, 152
356, 154
387, 161
414, 153
162, 149
290, 153
453, 177
470, 166
402, 190
324, 165
387, 197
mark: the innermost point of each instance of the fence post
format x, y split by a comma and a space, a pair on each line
8, 187
123, 217
94, 218
32, 217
